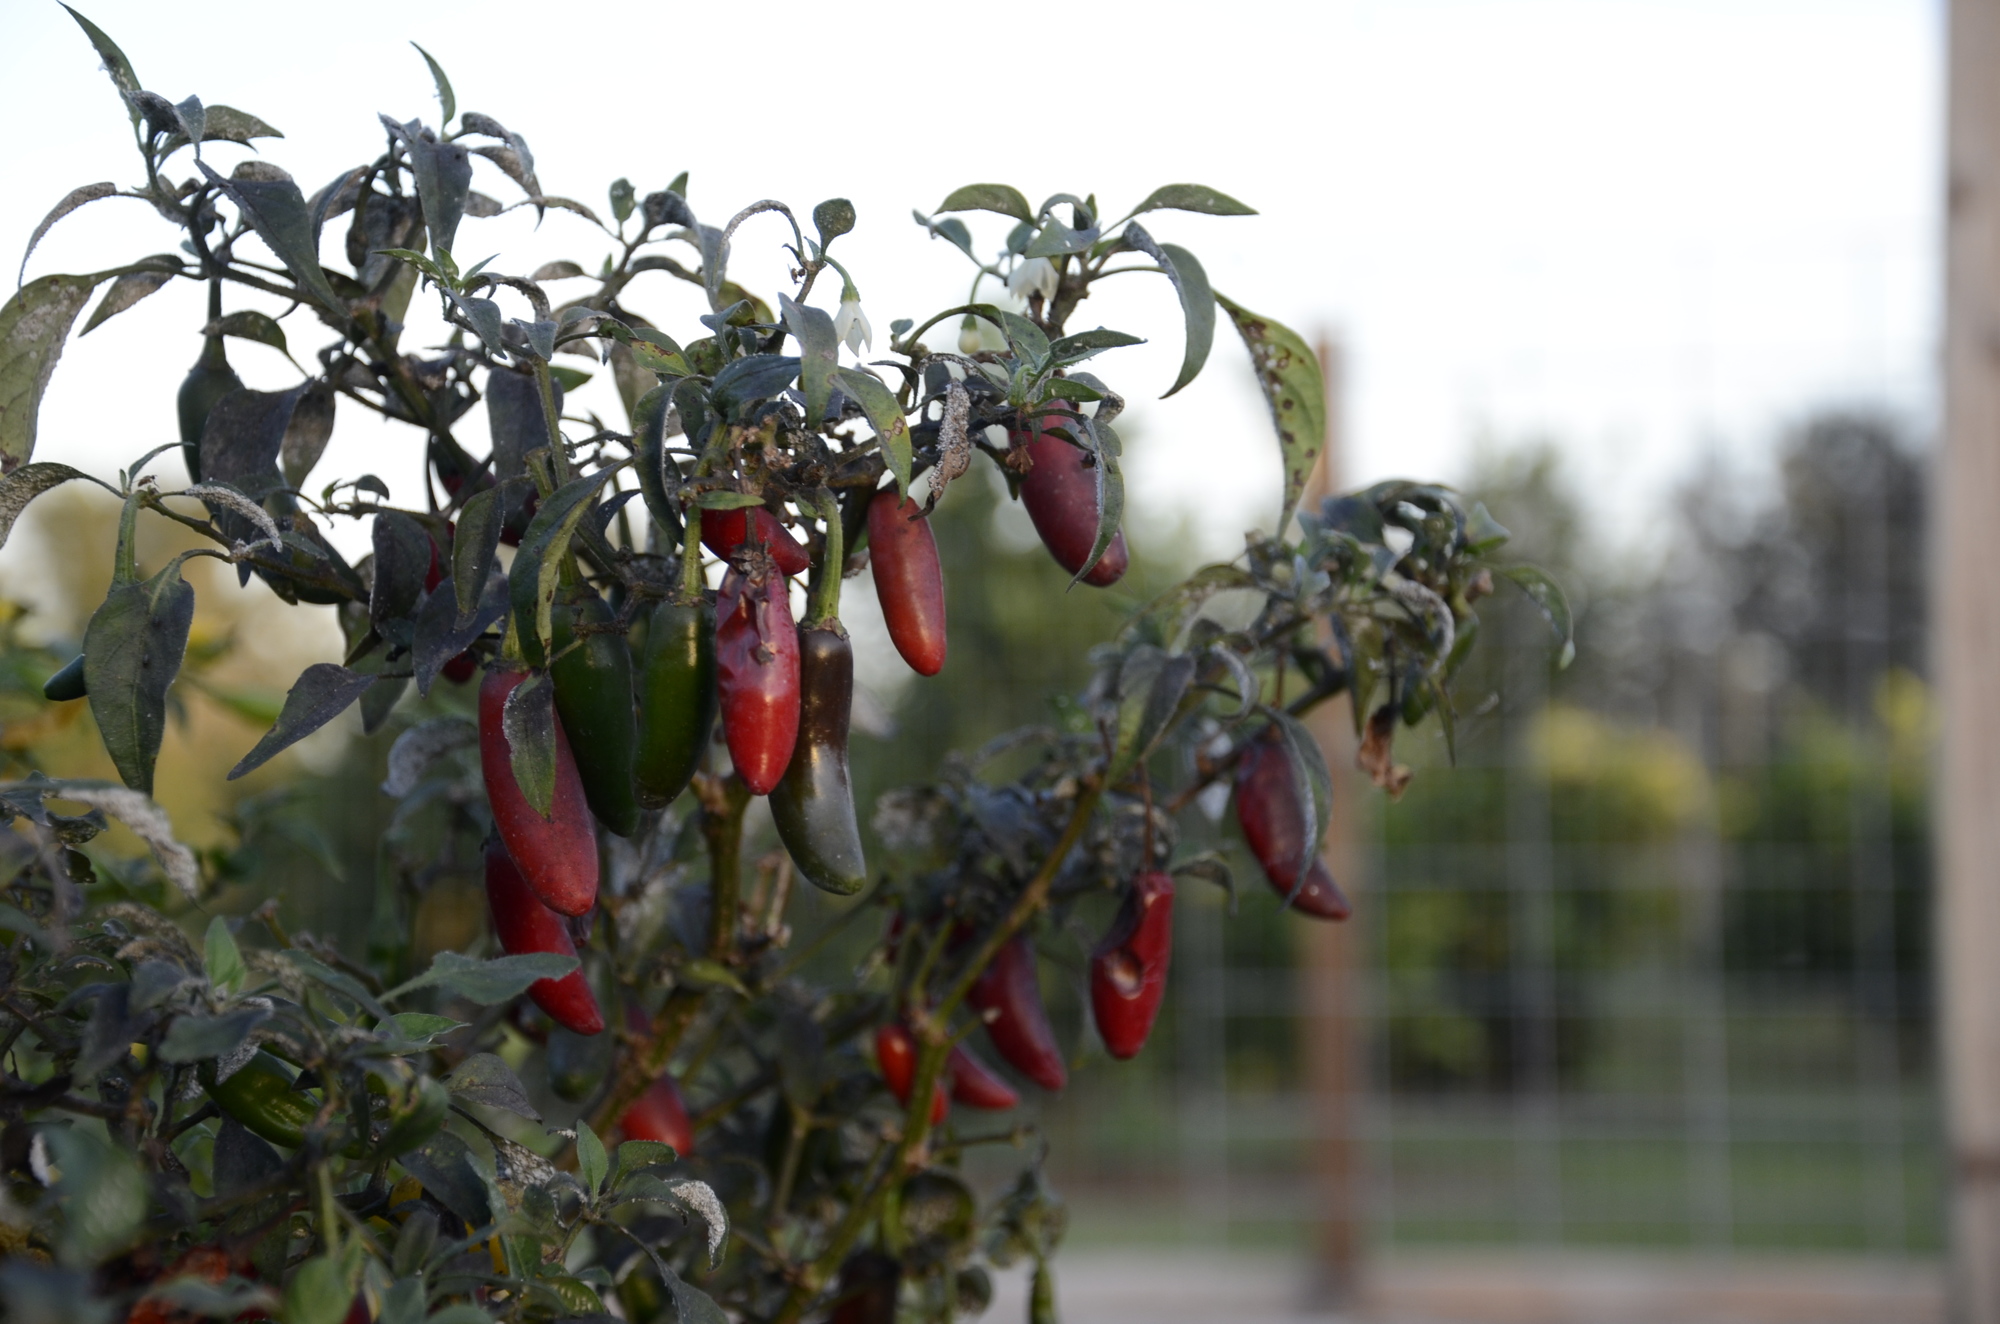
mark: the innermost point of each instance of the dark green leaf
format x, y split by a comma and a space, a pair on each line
249, 324
485, 1080
337, 980
636, 1156
322, 692
568, 378
749, 380
474, 547
420, 1027
307, 432
76, 197
484, 315
193, 120
441, 634
1547, 595
529, 723
446, 101
242, 1161
558, 270
1003, 198
1029, 343
819, 351
33, 325
486, 982
444, 178
833, 218
404, 554
621, 199
132, 650
950, 228
1296, 392
198, 1038
127, 290
26, 483
1193, 197
225, 124
1483, 533
591, 1163
1085, 344
115, 63
1055, 239
1197, 299
878, 402
276, 210
532, 580
444, 1165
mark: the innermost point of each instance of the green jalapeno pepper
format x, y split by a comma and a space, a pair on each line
813, 805
676, 700
259, 1095
593, 684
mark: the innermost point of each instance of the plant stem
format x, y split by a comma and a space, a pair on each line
825, 607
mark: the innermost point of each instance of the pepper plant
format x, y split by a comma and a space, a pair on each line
259, 1123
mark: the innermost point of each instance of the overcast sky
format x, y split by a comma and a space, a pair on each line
1639, 229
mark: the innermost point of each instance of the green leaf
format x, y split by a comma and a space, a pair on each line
444, 180
950, 228
819, 351
621, 200
1110, 496
102, 1192
33, 325
1085, 344
1151, 688
446, 100
567, 377
419, 1027
1548, 597
1003, 198
474, 547
132, 650
1197, 299
276, 210
833, 218
115, 63
1027, 339
486, 982
1289, 374
878, 402
307, 432
591, 1164
224, 124
26, 483
322, 692
1193, 197
249, 324
220, 958
444, 1164
127, 290
659, 476
486, 1080
636, 1156
529, 723
200, 1038
532, 580
75, 198
748, 380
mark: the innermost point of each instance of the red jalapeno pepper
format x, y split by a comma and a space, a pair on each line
1060, 492
896, 1055
659, 1114
975, 1085
1128, 970
909, 582
723, 531
557, 854
757, 674
1270, 808
523, 924
1010, 997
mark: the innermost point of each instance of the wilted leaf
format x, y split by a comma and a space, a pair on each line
127, 290
422, 745
1295, 390
148, 822
322, 692
33, 325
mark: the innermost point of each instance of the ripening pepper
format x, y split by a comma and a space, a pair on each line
1008, 993
896, 1055
757, 674
676, 700
975, 1085
1270, 808
593, 683
723, 531
813, 806
207, 381
659, 1114
1060, 492
523, 924
909, 582
557, 854
1128, 970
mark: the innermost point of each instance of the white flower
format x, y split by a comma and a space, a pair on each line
851, 325
969, 339
1037, 275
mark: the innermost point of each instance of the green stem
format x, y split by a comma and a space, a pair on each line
552, 420
825, 607
902, 346
691, 581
